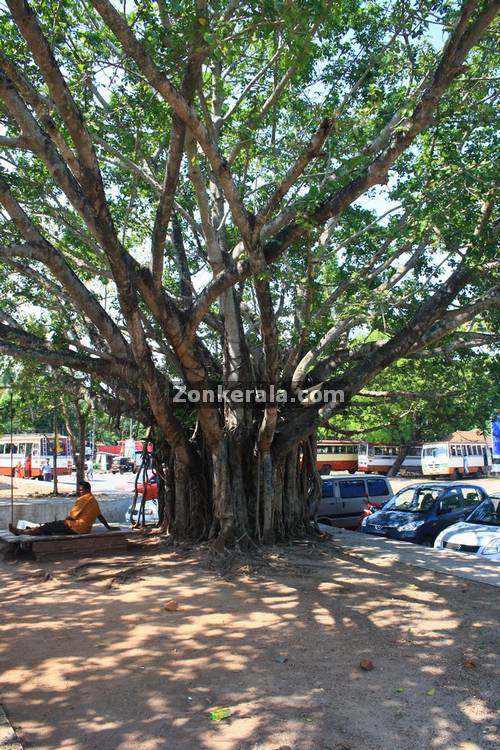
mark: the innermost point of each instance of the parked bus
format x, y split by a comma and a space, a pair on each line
377, 458
24, 454
460, 454
336, 455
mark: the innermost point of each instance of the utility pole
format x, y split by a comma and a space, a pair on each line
10, 388
11, 458
56, 442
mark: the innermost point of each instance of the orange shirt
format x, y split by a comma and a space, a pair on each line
83, 514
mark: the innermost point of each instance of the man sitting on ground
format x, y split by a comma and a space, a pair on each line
78, 521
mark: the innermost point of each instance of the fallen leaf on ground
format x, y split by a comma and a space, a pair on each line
367, 665
431, 692
171, 605
470, 663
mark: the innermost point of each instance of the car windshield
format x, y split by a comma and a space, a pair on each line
488, 512
413, 499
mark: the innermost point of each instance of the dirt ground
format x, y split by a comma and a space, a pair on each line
92, 660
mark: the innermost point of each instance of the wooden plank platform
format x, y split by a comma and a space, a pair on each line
63, 545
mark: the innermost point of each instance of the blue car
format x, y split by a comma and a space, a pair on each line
418, 513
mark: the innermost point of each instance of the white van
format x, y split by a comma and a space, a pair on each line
345, 497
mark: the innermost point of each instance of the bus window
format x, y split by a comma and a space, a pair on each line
35, 449
21, 448
2, 448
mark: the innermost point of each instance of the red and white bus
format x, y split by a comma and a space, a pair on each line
23, 454
377, 458
336, 455
460, 454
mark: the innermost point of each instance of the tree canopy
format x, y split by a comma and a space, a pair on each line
300, 195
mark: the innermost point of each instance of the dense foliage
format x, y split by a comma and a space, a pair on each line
295, 194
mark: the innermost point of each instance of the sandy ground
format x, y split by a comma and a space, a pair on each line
23, 488
92, 660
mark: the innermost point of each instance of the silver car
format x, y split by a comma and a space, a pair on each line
345, 497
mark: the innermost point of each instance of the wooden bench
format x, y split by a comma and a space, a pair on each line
63, 545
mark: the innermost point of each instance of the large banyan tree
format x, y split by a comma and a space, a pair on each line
289, 197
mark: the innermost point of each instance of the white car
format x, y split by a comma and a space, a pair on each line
150, 512
479, 534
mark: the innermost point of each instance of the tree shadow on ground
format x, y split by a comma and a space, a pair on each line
95, 661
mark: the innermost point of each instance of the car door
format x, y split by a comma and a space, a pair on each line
472, 497
451, 509
329, 504
353, 499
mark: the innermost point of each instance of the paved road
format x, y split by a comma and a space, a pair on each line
391, 551
111, 483
103, 482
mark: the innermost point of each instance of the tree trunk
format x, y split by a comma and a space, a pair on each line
239, 496
77, 439
394, 469
80, 456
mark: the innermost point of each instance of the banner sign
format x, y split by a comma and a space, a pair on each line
495, 438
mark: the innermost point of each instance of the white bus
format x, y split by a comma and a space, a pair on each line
23, 454
377, 458
456, 457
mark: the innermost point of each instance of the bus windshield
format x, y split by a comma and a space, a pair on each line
433, 451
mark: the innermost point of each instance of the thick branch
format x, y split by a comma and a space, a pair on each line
162, 85
177, 135
39, 249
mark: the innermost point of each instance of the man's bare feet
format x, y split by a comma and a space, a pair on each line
20, 532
